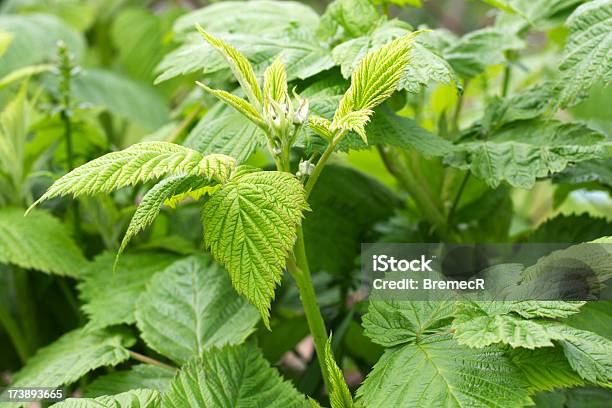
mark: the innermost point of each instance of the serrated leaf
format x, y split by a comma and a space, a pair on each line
354, 122
391, 323
108, 296
544, 368
39, 242
139, 162
232, 377
151, 203
240, 66
587, 58
321, 126
140, 376
570, 228
191, 307
376, 77
438, 372
524, 151
340, 396
72, 356
237, 103
275, 82
138, 398
595, 317
250, 226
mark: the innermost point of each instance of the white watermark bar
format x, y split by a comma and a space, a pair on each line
32, 394
488, 272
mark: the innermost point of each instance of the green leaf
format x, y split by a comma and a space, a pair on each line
353, 17
39, 242
191, 307
523, 151
237, 103
108, 296
34, 38
139, 162
139, 376
232, 377
426, 65
570, 228
340, 396
275, 82
353, 122
71, 356
595, 317
438, 372
376, 77
545, 368
151, 203
139, 398
122, 96
479, 49
227, 133
250, 226
586, 59
391, 323
240, 66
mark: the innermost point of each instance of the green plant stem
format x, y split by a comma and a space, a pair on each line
312, 179
506, 80
300, 271
26, 307
451, 212
70, 161
15, 334
148, 360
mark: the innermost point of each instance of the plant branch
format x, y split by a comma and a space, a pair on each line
148, 360
15, 334
451, 212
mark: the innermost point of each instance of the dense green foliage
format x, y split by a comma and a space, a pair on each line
220, 167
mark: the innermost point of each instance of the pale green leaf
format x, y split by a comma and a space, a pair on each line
137, 398
70, 357
275, 82
438, 372
320, 126
150, 205
587, 59
396, 322
191, 307
340, 396
237, 103
139, 376
355, 121
24, 72
250, 226
108, 296
39, 242
140, 162
231, 377
240, 66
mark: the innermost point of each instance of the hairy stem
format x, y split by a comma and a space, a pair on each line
148, 360
15, 334
300, 271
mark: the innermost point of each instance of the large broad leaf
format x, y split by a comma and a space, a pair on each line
524, 151
438, 372
72, 356
572, 228
479, 49
39, 242
227, 133
255, 17
139, 376
345, 206
250, 226
595, 317
542, 14
191, 307
110, 296
34, 40
135, 101
138, 398
390, 323
587, 59
545, 368
232, 377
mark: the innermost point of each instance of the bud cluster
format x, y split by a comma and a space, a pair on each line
285, 121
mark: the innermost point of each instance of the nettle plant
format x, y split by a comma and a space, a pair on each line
354, 70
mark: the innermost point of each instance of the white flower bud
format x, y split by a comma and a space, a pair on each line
301, 115
306, 168
277, 151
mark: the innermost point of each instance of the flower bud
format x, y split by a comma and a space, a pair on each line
301, 114
306, 168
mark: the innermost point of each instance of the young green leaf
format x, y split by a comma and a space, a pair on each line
320, 126
250, 226
240, 66
340, 396
237, 103
275, 82
139, 162
374, 80
587, 59
190, 307
151, 203
138, 376
231, 377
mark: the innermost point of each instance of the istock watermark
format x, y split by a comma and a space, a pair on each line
489, 272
